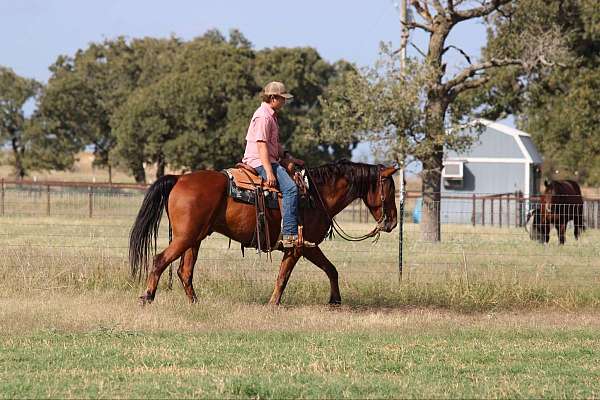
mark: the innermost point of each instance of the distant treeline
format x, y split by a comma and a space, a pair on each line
169, 102
186, 104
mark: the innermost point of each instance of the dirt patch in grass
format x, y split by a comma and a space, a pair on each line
120, 311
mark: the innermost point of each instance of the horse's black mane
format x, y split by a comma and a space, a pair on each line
362, 178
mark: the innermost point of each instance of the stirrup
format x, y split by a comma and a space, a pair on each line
291, 241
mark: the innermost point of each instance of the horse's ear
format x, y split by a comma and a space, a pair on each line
389, 171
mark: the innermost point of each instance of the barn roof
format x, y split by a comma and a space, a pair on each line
492, 148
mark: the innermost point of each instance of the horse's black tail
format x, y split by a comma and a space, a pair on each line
144, 233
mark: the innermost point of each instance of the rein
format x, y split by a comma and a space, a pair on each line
335, 226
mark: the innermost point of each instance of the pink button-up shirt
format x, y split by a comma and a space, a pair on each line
263, 127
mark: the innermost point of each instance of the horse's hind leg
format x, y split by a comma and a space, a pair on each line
160, 263
561, 228
186, 271
316, 256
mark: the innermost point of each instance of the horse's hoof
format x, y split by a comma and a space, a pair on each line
335, 303
145, 299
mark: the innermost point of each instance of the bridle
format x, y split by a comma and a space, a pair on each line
335, 227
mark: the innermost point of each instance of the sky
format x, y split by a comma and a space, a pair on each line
36, 32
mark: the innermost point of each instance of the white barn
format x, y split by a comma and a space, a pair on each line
502, 160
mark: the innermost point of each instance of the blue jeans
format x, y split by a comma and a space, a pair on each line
289, 190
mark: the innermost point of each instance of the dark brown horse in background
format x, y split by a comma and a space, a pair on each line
560, 203
197, 205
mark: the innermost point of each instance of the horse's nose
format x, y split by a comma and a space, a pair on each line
391, 225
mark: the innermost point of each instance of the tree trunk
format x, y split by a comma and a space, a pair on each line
435, 112
109, 173
19, 167
432, 168
160, 166
430, 219
139, 174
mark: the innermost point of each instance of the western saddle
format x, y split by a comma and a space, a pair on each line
247, 186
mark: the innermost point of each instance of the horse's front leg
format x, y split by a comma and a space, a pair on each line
316, 256
290, 258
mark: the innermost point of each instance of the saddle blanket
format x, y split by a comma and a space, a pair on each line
247, 195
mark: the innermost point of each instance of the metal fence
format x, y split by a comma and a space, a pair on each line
87, 225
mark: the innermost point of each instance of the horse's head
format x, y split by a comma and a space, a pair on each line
381, 200
539, 228
344, 181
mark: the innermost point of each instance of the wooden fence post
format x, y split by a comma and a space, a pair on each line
500, 211
492, 211
360, 214
90, 200
483, 211
520, 214
48, 200
473, 210
2, 199
508, 210
516, 209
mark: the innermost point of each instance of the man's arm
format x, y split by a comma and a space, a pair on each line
263, 153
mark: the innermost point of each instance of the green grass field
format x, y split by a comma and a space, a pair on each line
455, 363
102, 344
485, 313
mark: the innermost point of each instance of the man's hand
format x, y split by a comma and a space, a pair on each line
271, 180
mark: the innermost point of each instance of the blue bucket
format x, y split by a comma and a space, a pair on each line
416, 215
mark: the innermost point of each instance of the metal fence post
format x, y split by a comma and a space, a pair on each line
401, 226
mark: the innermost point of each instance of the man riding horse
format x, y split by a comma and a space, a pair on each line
263, 153
202, 202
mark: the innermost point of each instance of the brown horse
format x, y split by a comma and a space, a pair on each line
560, 203
197, 205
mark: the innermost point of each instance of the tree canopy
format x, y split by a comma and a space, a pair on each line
15, 92
179, 104
86, 90
557, 106
411, 111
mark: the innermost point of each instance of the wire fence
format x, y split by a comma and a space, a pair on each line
84, 229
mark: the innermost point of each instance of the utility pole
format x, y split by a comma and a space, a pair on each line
404, 36
404, 33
